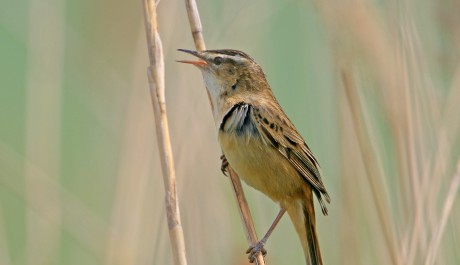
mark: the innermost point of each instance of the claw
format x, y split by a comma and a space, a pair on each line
224, 165
254, 250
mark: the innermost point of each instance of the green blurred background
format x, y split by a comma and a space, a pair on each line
80, 178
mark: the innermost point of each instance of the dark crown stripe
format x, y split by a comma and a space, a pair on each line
232, 53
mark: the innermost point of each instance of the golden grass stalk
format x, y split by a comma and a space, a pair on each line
372, 164
155, 75
195, 24
424, 132
446, 210
245, 213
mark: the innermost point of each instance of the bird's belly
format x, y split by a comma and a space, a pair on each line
262, 166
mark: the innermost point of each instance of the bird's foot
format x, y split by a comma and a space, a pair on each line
254, 250
224, 166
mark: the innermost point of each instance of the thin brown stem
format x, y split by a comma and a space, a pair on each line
155, 75
245, 213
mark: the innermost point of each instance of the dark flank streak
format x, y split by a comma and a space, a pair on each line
244, 125
270, 137
247, 124
229, 114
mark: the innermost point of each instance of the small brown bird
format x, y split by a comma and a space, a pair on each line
261, 144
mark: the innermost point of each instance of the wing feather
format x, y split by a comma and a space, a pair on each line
282, 135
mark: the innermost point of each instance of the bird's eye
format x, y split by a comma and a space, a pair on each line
235, 85
218, 60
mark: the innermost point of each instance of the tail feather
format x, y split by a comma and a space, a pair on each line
313, 244
302, 215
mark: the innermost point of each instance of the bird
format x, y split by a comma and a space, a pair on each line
261, 144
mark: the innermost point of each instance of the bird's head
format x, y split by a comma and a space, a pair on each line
231, 77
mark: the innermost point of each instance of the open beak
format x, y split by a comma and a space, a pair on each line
199, 63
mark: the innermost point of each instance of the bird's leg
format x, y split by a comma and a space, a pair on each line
224, 165
259, 246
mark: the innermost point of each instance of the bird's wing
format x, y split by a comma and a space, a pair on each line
277, 130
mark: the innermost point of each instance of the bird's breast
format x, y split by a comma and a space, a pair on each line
260, 165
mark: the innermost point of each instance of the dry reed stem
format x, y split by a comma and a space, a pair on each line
424, 130
372, 164
195, 24
245, 213
440, 227
407, 63
365, 32
426, 188
452, 108
155, 75
407, 120
350, 254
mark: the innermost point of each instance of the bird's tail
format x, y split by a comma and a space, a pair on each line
302, 215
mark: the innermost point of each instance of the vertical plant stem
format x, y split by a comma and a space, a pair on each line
157, 91
440, 227
195, 24
372, 166
245, 213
